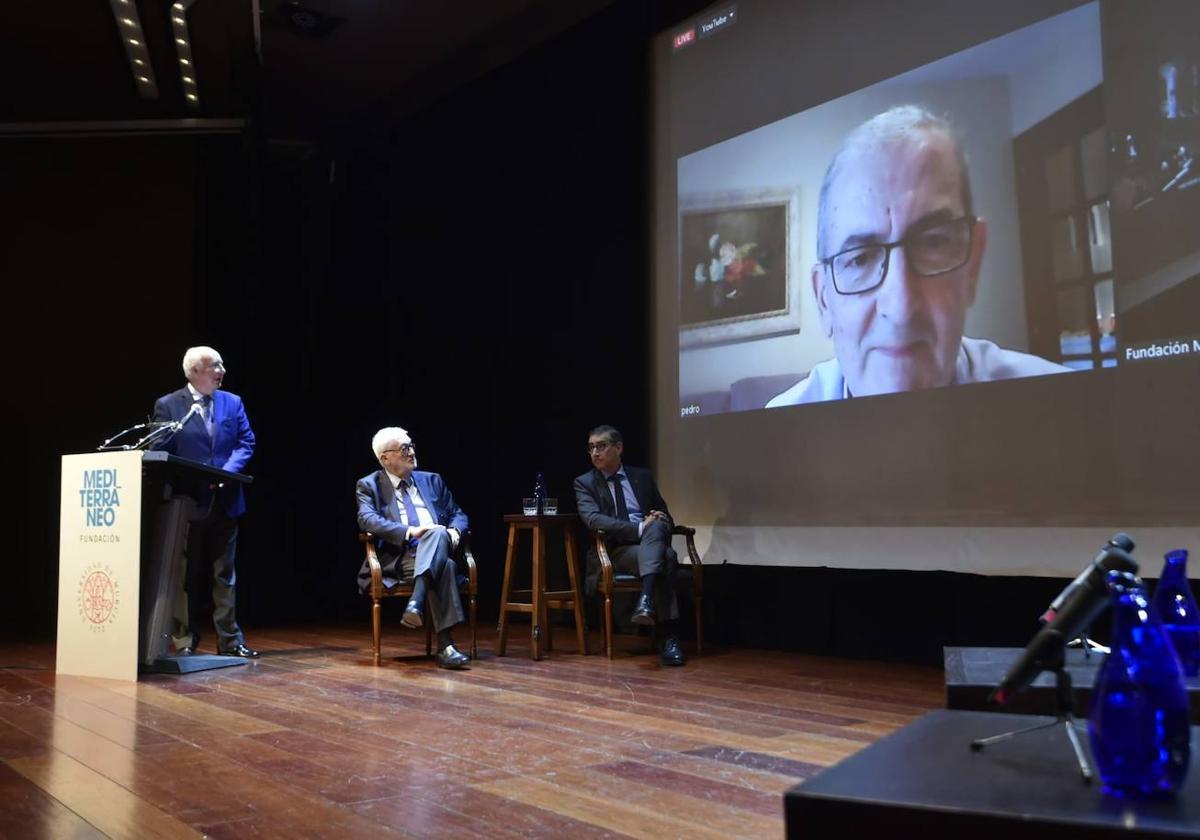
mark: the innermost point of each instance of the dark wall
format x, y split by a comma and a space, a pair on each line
477, 272
98, 268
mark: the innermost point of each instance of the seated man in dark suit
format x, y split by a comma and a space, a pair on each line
417, 526
624, 502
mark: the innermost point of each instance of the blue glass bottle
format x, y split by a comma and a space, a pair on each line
1175, 607
539, 491
1138, 725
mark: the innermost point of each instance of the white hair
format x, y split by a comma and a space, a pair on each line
195, 357
387, 436
895, 125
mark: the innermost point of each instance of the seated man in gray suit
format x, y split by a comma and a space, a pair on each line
417, 525
624, 502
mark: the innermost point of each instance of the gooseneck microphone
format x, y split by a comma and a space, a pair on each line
192, 412
1072, 611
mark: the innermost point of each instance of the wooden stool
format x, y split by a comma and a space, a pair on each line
541, 600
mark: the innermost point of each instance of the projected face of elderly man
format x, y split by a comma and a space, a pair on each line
900, 255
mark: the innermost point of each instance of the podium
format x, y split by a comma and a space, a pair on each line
123, 524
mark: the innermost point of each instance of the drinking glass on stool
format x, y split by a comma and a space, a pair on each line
549, 506
529, 506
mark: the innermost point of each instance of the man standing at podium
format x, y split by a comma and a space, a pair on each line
217, 433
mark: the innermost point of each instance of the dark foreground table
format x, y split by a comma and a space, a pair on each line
924, 781
973, 672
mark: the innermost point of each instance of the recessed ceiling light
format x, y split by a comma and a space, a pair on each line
143, 80
192, 96
135, 42
181, 42
128, 22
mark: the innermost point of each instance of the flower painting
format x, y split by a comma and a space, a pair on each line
735, 267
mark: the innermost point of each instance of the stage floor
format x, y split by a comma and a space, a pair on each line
314, 741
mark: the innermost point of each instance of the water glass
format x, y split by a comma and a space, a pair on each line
529, 506
550, 506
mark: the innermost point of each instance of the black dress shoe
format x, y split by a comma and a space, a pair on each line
672, 654
452, 658
239, 650
412, 616
643, 613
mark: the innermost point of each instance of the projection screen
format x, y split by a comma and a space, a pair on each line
927, 281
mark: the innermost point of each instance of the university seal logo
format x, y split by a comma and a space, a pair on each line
98, 596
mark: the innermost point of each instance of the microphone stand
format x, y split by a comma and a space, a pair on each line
1089, 645
1064, 703
155, 432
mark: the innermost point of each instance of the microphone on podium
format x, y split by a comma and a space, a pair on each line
193, 411
1072, 611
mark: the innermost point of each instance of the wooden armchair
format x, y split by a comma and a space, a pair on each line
468, 588
612, 581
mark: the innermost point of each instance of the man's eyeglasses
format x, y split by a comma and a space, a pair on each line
404, 447
930, 251
599, 446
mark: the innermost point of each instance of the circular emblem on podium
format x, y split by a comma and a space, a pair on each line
97, 596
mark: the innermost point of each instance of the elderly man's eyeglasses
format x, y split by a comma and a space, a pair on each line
406, 448
930, 251
599, 446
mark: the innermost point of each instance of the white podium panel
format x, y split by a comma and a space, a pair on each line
99, 550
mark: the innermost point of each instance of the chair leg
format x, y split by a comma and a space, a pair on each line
576, 596
502, 627
376, 629
608, 631
428, 635
474, 649
696, 603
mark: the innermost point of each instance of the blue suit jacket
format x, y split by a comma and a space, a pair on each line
229, 448
379, 513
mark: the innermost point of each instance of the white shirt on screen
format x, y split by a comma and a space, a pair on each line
979, 360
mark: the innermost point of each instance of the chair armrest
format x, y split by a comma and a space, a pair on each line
606, 566
689, 534
368, 541
464, 548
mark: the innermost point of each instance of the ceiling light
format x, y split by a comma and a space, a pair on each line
192, 96
181, 42
125, 16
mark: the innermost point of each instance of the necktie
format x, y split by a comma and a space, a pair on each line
619, 496
410, 510
206, 407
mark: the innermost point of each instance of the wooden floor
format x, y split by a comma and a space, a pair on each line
314, 741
